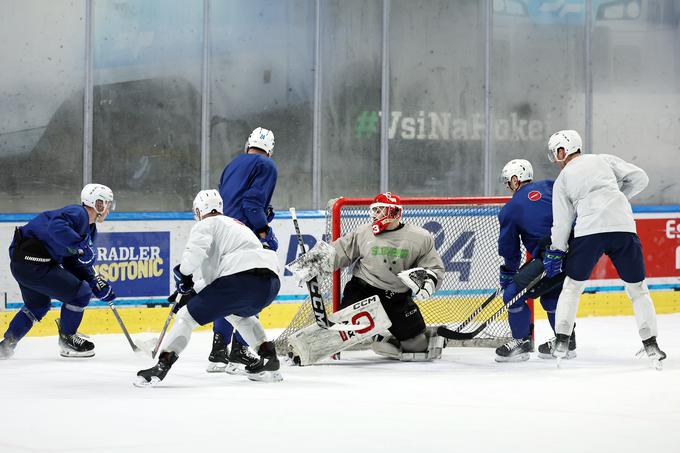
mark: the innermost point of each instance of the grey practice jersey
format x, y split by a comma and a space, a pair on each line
380, 257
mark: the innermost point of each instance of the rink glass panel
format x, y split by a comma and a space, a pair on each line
350, 97
262, 74
436, 123
538, 83
147, 102
465, 233
636, 90
41, 104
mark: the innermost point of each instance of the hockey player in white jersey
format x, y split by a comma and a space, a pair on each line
239, 279
397, 262
593, 190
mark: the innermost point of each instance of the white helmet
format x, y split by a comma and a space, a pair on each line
92, 193
517, 167
568, 139
261, 138
206, 201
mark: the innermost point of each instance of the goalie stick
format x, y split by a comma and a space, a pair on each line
458, 335
315, 295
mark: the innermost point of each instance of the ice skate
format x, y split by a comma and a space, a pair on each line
545, 350
75, 345
218, 358
155, 374
266, 368
515, 350
7, 346
651, 349
239, 358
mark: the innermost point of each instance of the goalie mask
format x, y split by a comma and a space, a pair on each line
386, 210
99, 197
206, 202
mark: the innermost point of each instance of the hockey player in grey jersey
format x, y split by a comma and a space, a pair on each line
396, 261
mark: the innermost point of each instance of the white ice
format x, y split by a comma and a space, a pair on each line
604, 400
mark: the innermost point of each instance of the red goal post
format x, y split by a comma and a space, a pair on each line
465, 230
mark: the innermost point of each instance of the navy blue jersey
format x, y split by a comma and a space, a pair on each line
527, 216
246, 186
61, 231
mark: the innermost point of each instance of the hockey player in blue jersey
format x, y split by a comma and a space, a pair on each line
527, 217
51, 257
246, 187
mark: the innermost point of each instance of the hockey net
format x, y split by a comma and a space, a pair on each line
466, 233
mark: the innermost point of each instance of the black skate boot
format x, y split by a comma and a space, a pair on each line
652, 350
218, 357
561, 347
7, 346
266, 368
515, 350
74, 345
239, 358
545, 350
155, 374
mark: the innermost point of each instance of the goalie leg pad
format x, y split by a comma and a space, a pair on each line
313, 343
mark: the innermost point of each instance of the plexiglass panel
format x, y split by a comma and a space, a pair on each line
351, 41
538, 82
42, 45
147, 102
262, 74
636, 90
436, 123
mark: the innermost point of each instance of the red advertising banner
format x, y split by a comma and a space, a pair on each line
660, 237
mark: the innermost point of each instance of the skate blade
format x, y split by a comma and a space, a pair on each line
570, 355
73, 354
215, 367
235, 370
142, 383
523, 357
265, 376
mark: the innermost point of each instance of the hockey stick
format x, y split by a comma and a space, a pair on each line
134, 347
315, 295
175, 300
477, 311
457, 335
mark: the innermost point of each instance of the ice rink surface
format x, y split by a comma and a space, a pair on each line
604, 400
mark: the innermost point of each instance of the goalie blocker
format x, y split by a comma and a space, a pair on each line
312, 344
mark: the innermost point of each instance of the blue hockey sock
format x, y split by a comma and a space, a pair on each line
223, 327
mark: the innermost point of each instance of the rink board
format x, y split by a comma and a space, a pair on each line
138, 250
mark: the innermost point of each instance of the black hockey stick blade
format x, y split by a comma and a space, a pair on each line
454, 335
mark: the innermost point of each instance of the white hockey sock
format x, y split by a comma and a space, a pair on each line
643, 307
250, 329
567, 305
180, 334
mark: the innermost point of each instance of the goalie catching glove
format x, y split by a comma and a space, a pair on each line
422, 282
317, 261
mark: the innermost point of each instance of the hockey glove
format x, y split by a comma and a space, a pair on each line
101, 289
421, 282
183, 299
184, 283
269, 241
85, 252
506, 276
552, 262
319, 260
269, 212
